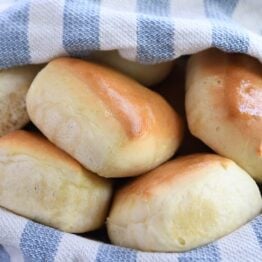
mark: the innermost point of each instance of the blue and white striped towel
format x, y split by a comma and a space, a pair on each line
149, 31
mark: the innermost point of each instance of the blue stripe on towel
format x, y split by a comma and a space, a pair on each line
228, 39
4, 256
109, 253
155, 31
14, 36
257, 228
221, 9
81, 27
208, 253
225, 34
39, 243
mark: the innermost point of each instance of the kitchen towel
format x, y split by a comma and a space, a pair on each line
149, 31
23, 240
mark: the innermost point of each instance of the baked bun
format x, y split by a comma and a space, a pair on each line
41, 182
224, 106
145, 74
108, 122
14, 84
183, 204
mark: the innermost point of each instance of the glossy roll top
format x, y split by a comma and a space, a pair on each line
224, 106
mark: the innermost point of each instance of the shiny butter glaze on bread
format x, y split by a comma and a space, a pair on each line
224, 106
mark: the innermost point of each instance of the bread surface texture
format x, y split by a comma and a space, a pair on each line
14, 84
183, 204
224, 106
41, 182
145, 74
108, 122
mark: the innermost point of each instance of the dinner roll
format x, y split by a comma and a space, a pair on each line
107, 121
183, 204
224, 106
145, 74
41, 182
14, 84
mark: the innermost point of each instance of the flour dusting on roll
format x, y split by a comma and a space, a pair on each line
108, 122
41, 182
224, 106
183, 204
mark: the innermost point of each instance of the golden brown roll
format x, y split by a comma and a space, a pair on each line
14, 84
41, 182
145, 74
108, 122
183, 204
224, 106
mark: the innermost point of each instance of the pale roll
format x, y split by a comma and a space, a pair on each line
42, 183
14, 84
183, 204
145, 74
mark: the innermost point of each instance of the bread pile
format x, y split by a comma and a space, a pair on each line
98, 126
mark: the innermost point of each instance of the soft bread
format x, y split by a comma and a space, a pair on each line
183, 204
145, 74
224, 106
41, 182
14, 84
107, 121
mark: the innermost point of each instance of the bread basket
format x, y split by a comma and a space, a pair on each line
37, 31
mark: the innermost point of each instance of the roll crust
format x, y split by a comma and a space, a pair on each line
14, 84
107, 121
43, 183
147, 75
183, 204
224, 106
